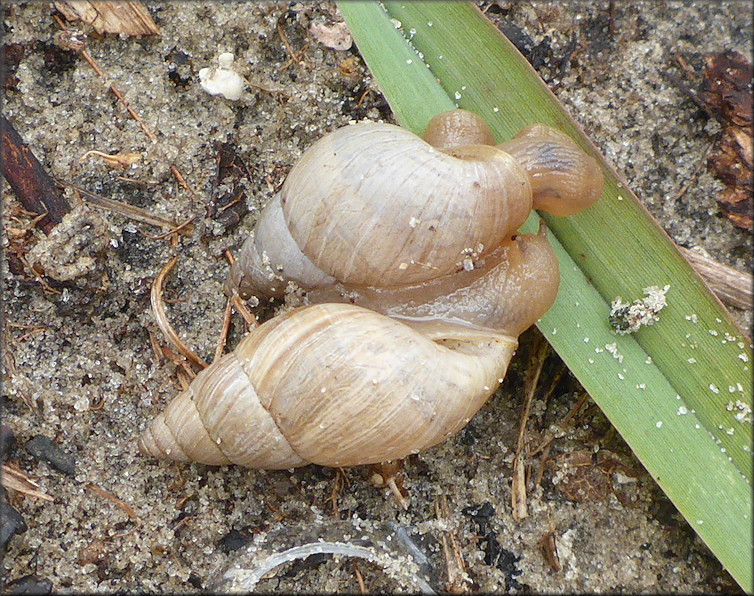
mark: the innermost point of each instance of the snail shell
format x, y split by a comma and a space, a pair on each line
421, 290
324, 384
374, 205
385, 205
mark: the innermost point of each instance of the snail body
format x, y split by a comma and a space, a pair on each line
418, 288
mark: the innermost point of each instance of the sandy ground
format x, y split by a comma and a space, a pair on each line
84, 373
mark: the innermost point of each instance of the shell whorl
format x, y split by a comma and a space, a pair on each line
420, 289
388, 206
301, 397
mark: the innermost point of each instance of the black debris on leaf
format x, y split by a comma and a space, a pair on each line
228, 203
45, 450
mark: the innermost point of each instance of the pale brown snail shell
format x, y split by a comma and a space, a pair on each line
324, 384
358, 208
418, 246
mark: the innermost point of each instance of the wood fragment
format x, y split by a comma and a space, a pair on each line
113, 160
459, 581
359, 579
691, 180
162, 320
186, 225
33, 186
518, 482
181, 180
550, 550
251, 320
15, 479
733, 287
293, 55
121, 17
224, 332
126, 210
121, 505
84, 54
180, 481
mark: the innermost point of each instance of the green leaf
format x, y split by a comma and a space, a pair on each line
679, 392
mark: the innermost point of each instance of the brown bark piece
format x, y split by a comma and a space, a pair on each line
228, 203
33, 186
126, 17
726, 94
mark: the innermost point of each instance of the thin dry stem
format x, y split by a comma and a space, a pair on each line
158, 308
16, 480
121, 505
518, 488
458, 579
224, 332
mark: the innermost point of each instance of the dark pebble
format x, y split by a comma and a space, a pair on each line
233, 540
29, 584
481, 514
11, 522
7, 440
44, 449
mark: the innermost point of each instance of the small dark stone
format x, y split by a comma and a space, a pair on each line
45, 450
495, 555
11, 522
234, 540
7, 441
481, 514
195, 581
29, 584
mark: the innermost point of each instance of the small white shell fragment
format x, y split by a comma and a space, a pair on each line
222, 80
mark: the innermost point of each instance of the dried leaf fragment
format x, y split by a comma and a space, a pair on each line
228, 203
726, 95
17, 480
335, 36
124, 17
586, 476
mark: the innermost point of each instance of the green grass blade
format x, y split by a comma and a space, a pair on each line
671, 390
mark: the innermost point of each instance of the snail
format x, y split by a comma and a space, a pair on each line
418, 288
359, 206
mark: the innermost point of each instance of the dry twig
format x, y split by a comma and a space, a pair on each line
121, 505
15, 479
459, 581
730, 285
518, 488
162, 320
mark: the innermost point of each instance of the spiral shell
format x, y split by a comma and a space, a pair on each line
419, 289
359, 208
324, 384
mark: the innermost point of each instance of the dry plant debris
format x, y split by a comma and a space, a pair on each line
127, 18
726, 93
